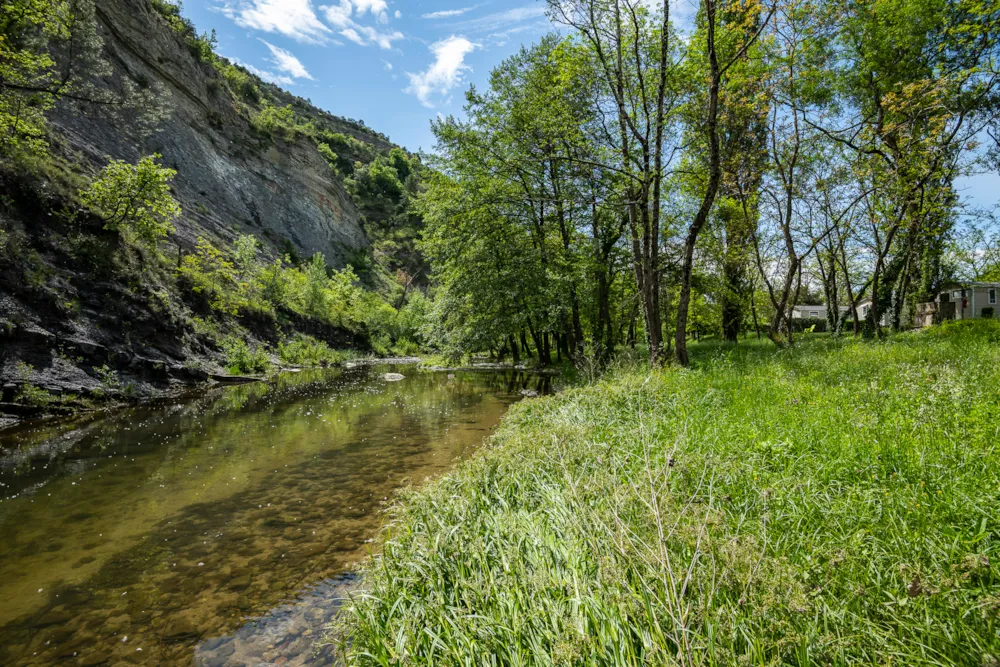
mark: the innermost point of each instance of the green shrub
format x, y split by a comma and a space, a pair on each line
810, 325
29, 393
307, 351
381, 345
134, 199
241, 83
275, 121
241, 358
337, 162
211, 272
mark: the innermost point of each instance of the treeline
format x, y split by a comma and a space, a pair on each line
629, 178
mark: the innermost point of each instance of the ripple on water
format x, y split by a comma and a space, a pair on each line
150, 536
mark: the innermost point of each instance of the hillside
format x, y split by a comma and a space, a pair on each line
252, 162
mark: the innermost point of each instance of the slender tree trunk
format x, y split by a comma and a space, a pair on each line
715, 173
753, 311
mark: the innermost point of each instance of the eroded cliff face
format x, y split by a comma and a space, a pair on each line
230, 179
77, 306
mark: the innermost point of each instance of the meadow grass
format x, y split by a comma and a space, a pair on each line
836, 503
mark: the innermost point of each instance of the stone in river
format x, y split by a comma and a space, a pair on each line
393, 377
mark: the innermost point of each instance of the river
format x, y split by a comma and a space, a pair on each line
219, 529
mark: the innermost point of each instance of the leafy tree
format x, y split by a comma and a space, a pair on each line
135, 198
50, 51
317, 281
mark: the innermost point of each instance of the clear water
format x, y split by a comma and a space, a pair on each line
151, 536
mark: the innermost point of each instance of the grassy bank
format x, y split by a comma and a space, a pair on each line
838, 503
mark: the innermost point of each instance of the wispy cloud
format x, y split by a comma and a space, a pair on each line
503, 21
445, 73
292, 18
286, 62
341, 16
447, 13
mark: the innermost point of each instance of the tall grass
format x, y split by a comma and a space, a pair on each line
833, 504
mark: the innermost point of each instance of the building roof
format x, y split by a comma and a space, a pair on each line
952, 284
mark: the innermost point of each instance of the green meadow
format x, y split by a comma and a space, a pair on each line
830, 504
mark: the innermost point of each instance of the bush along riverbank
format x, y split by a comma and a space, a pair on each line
831, 504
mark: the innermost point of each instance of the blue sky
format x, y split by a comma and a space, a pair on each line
393, 64
397, 64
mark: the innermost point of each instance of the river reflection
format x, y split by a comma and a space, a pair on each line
133, 538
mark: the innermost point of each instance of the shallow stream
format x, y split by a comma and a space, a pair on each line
220, 529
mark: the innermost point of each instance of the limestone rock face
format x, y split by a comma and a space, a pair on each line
231, 180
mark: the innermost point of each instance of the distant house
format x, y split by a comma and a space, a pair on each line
812, 312
865, 306
819, 312
960, 301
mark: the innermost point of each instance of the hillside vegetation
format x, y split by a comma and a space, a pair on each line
831, 504
167, 215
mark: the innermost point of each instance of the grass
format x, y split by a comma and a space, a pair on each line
837, 503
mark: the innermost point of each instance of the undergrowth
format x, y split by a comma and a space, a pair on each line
831, 504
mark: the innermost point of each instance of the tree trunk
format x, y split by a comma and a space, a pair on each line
715, 173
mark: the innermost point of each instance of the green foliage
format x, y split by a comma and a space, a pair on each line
240, 282
241, 358
821, 505
276, 121
50, 50
307, 351
210, 272
202, 46
241, 83
134, 199
29, 393
377, 184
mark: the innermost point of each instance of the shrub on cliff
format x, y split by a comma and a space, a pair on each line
134, 198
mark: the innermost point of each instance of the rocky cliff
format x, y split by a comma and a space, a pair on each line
83, 314
230, 179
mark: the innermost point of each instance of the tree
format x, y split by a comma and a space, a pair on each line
134, 199
50, 51
635, 54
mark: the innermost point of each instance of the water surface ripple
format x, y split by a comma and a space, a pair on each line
152, 536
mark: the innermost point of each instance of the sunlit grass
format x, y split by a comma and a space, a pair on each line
833, 504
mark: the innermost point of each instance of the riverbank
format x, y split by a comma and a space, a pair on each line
26, 403
153, 534
831, 504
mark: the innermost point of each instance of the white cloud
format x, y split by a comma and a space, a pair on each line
376, 7
387, 65
398, 14
291, 18
286, 62
500, 21
447, 13
445, 73
352, 34
341, 16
